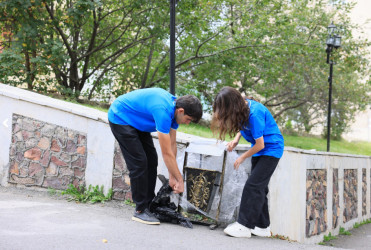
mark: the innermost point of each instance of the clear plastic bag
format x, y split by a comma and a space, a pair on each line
234, 182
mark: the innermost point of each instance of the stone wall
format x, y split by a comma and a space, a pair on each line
335, 199
50, 156
120, 178
46, 155
316, 221
364, 192
350, 195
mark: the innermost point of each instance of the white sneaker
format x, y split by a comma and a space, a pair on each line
262, 232
237, 230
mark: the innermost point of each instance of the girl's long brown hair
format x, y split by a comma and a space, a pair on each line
230, 113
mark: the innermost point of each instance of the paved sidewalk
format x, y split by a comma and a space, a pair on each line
360, 238
36, 220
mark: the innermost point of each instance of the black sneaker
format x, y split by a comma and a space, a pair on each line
145, 217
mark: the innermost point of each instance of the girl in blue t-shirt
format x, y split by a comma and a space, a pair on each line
238, 117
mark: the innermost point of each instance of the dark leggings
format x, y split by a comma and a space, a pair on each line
254, 201
141, 160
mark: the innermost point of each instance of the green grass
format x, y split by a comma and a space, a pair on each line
329, 237
326, 239
319, 144
129, 203
195, 129
342, 231
91, 106
90, 194
343, 146
357, 225
198, 130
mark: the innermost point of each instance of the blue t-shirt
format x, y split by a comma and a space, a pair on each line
262, 123
147, 110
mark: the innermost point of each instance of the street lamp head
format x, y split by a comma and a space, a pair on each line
333, 40
331, 29
330, 41
337, 41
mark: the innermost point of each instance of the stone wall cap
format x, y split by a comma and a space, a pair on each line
28, 96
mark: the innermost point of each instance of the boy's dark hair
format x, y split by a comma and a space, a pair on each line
191, 105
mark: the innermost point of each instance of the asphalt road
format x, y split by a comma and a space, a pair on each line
32, 219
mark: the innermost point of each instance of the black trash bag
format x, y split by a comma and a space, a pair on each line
164, 209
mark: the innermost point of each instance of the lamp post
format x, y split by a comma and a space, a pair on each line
172, 46
333, 41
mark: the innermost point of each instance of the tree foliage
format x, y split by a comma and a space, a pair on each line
80, 40
270, 49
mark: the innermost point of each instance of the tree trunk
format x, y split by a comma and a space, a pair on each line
28, 72
149, 60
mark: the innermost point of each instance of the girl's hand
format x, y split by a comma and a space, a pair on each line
231, 145
238, 162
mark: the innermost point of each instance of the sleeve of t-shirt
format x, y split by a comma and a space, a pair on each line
257, 123
174, 125
162, 120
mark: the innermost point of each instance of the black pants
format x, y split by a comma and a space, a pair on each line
254, 201
141, 160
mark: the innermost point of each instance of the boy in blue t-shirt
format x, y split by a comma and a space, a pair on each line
132, 117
